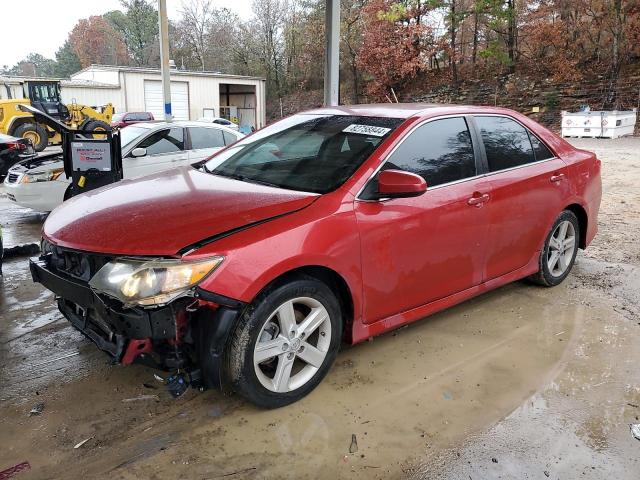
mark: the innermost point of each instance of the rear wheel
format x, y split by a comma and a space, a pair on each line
98, 125
560, 250
285, 342
34, 132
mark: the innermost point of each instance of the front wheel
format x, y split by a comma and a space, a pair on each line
285, 342
559, 252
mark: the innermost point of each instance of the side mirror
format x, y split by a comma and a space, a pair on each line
138, 152
400, 184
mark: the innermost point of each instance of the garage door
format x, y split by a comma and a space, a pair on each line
154, 103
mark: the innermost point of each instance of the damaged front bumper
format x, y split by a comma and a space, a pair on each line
189, 333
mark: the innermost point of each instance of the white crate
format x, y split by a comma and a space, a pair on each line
604, 124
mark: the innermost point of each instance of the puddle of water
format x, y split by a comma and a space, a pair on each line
402, 395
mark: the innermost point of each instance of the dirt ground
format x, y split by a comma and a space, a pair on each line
523, 382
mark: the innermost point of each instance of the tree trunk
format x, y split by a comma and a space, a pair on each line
475, 37
452, 35
511, 35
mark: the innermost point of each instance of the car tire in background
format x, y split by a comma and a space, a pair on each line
34, 132
559, 252
272, 367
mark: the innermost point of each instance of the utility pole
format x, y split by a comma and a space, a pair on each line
332, 53
164, 58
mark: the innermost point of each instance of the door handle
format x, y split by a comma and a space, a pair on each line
557, 178
478, 200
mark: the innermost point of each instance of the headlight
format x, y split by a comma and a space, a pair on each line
151, 282
48, 176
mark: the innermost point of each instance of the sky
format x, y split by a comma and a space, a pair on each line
42, 26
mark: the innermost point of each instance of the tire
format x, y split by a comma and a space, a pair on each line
552, 273
96, 125
304, 298
34, 132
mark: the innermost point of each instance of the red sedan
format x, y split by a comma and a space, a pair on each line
248, 270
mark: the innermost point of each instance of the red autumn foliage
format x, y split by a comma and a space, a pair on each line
94, 40
391, 52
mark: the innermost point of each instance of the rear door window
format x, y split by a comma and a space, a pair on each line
229, 138
206, 138
165, 141
440, 151
540, 150
506, 142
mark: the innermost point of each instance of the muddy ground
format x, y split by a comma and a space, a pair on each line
523, 382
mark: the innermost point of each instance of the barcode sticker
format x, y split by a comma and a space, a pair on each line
367, 130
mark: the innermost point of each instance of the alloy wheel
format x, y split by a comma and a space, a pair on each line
562, 245
292, 344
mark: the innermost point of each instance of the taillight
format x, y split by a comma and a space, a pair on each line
16, 146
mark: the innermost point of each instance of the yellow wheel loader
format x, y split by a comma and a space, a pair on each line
44, 95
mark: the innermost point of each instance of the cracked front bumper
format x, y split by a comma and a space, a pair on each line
110, 326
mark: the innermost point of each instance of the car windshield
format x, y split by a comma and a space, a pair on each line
130, 133
308, 152
117, 117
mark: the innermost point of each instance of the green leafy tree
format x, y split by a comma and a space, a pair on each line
67, 62
138, 25
34, 65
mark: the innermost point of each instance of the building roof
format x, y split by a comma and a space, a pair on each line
174, 71
65, 82
18, 79
80, 82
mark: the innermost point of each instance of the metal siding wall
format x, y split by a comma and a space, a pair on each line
102, 76
93, 96
204, 92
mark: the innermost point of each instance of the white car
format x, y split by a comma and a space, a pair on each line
219, 121
40, 183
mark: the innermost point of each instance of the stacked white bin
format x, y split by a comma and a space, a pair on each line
604, 124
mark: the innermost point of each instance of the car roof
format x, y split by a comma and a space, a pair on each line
178, 123
156, 125
403, 110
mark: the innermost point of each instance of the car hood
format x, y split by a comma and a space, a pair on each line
164, 213
42, 163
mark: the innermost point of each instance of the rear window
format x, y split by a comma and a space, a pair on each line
229, 138
312, 153
206, 137
506, 142
540, 150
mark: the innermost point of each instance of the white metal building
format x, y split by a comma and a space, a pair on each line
193, 94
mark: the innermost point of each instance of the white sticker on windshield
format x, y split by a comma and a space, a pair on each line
367, 130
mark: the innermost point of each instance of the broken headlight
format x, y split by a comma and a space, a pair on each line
151, 282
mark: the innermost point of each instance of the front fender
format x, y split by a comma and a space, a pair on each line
257, 256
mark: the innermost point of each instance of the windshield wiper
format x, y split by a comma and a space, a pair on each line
244, 178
